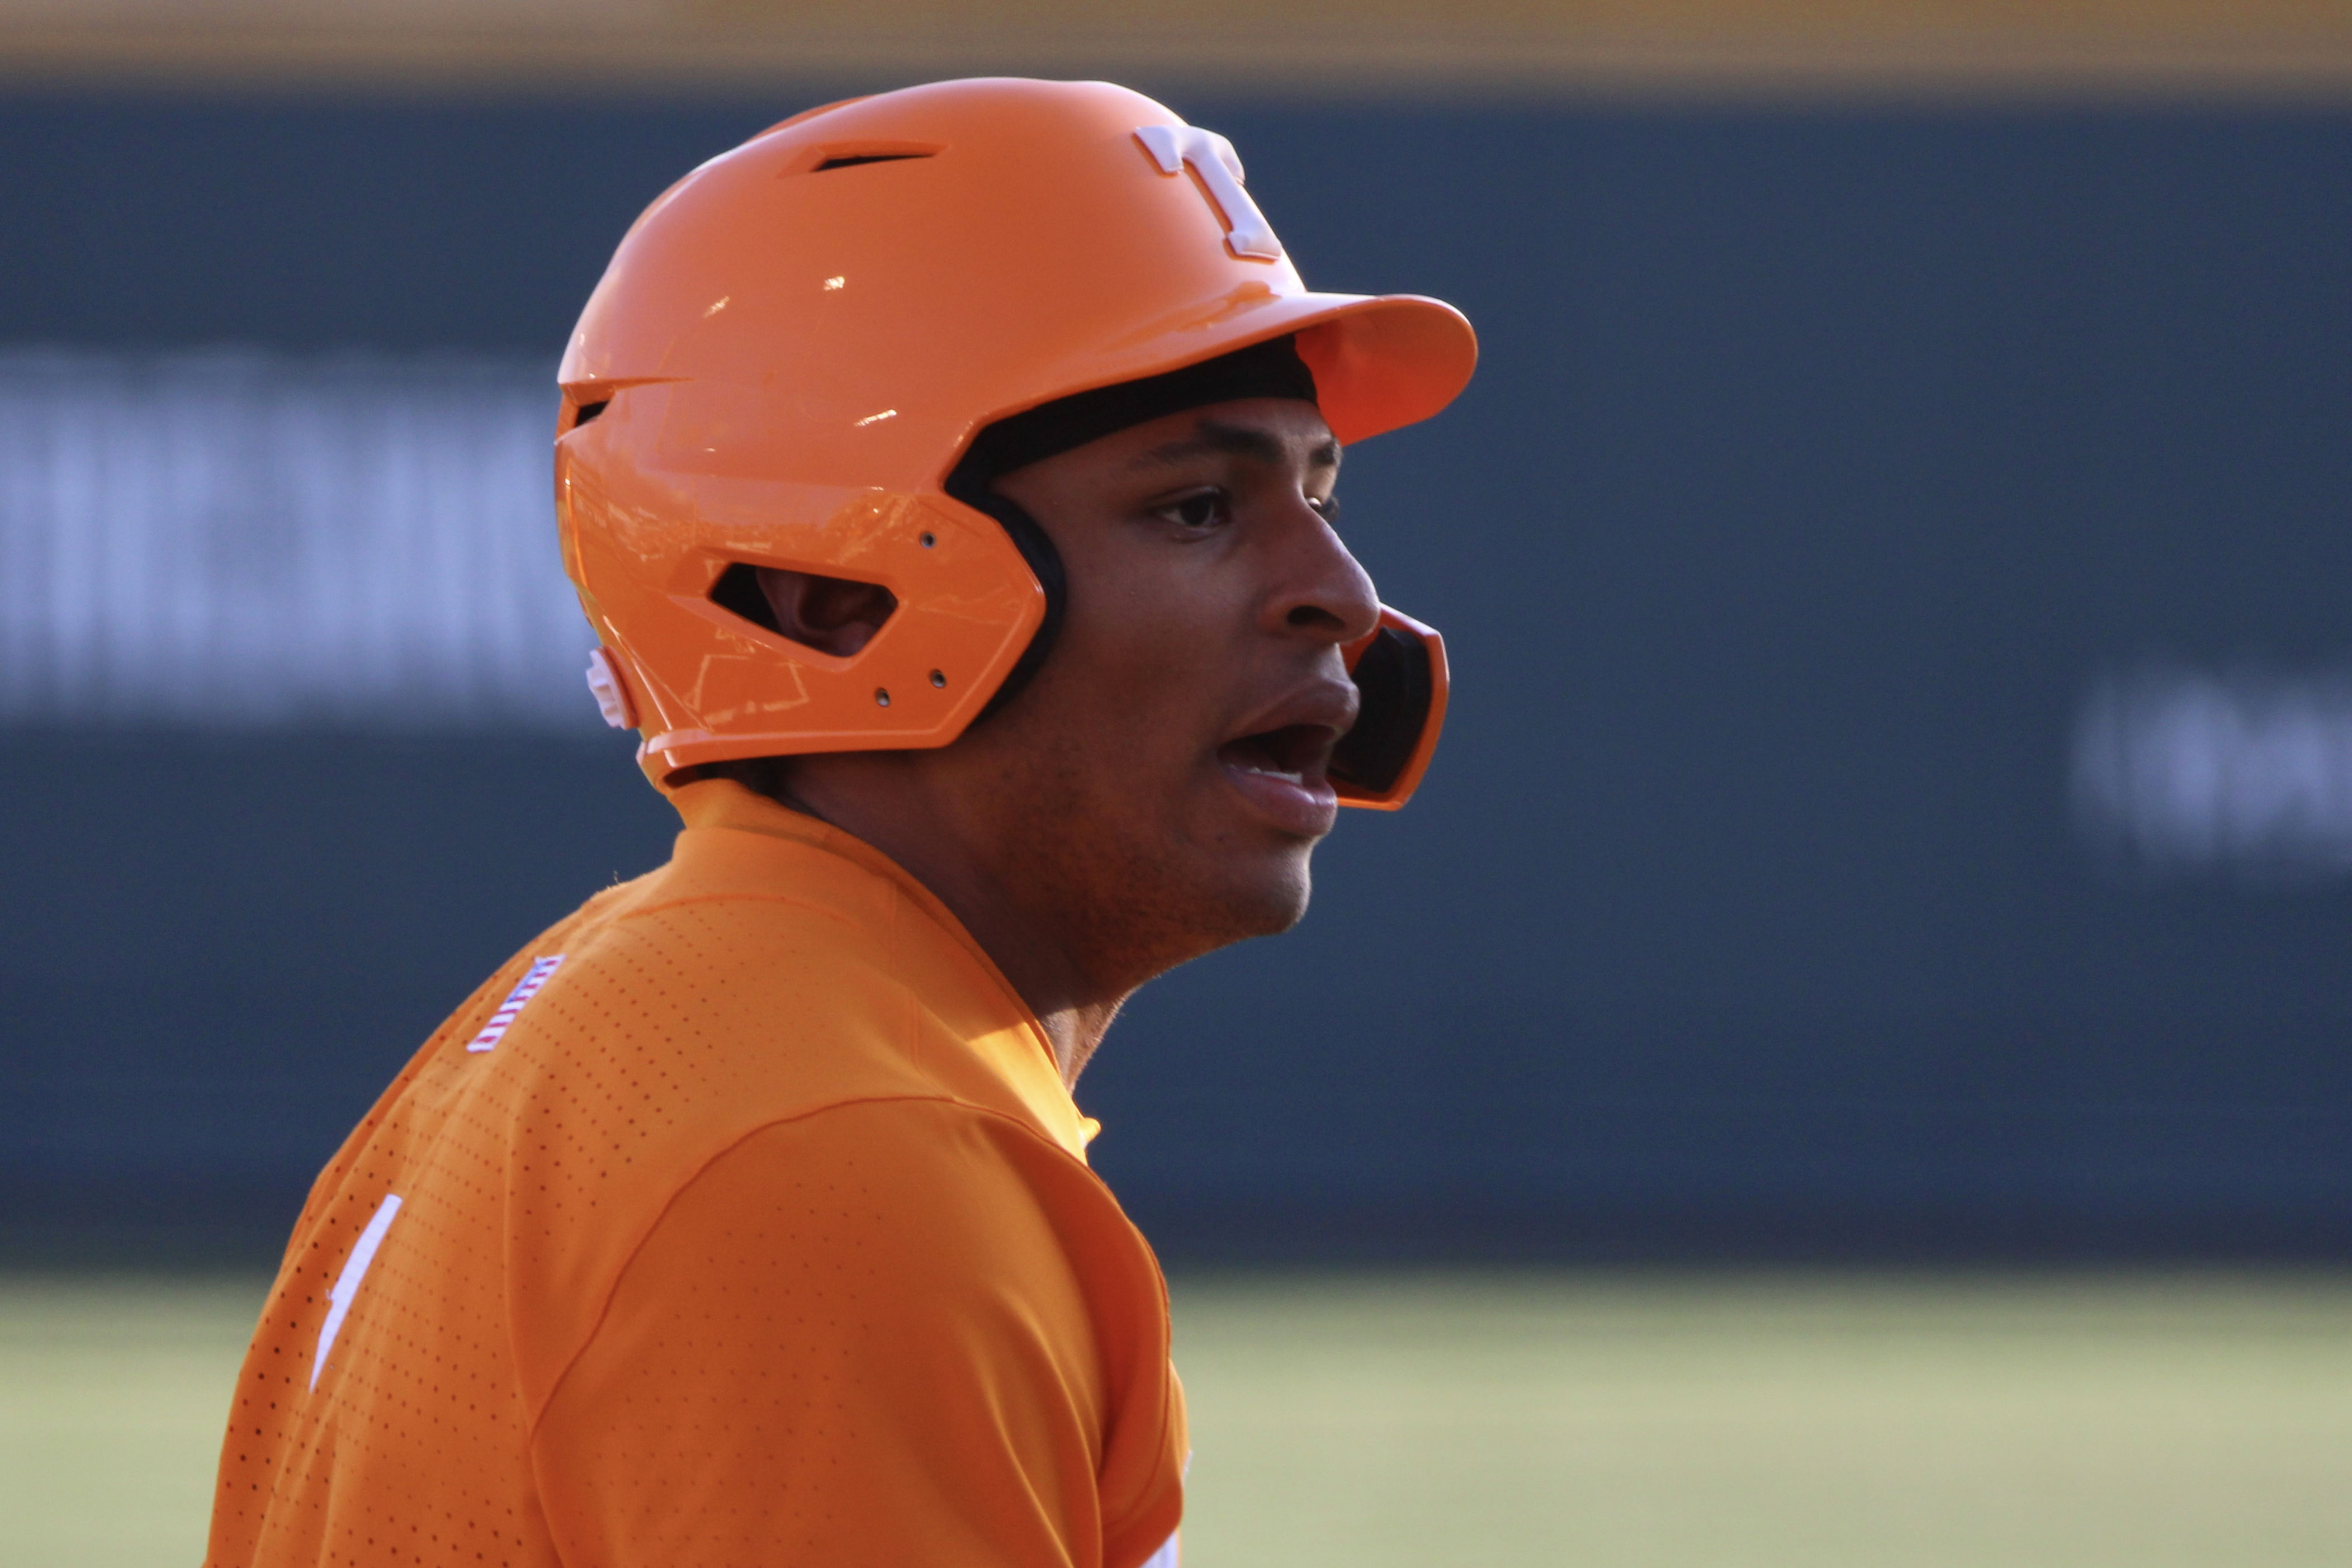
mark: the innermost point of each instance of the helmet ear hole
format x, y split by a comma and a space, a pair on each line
738, 590
836, 615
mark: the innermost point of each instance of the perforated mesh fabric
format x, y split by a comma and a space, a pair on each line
763, 1235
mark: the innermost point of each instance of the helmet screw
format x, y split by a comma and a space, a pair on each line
882, 695
929, 541
939, 678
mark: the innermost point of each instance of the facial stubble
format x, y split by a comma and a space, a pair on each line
1120, 874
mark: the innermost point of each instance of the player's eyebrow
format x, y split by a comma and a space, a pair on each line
1238, 440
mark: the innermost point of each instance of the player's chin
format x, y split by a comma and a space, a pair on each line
1263, 890
1247, 860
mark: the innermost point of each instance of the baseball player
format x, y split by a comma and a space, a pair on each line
947, 478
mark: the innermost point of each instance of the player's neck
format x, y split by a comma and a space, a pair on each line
1074, 1004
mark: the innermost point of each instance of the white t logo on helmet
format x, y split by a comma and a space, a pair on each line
1220, 168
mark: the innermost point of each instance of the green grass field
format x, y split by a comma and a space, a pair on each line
1705, 1421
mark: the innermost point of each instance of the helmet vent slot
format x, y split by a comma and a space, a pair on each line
851, 159
836, 615
589, 411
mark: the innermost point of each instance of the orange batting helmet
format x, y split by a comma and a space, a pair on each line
798, 342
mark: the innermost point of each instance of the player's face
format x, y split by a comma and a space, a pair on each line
1164, 774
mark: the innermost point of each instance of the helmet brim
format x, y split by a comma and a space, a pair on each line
1385, 362
1379, 361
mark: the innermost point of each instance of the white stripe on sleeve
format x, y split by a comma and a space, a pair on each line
347, 1283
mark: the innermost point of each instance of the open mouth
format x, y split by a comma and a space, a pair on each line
1296, 753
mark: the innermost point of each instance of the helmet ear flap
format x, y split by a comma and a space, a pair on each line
1045, 560
1401, 675
968, 485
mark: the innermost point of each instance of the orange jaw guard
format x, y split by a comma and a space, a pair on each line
1399, 672
794, 344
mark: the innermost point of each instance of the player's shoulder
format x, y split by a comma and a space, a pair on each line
693, 970
735, 999
675, 1016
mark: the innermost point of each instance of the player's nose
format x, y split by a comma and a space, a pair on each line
1321, 590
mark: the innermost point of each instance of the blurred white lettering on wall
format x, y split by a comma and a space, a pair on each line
234, 539
2182, 771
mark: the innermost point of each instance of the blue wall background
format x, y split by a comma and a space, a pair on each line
1817, 462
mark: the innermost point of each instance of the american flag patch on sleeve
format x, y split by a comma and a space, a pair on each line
525, 988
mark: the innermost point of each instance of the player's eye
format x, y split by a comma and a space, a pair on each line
1328, 508
1201, 510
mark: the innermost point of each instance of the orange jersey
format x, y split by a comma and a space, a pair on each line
742, 1218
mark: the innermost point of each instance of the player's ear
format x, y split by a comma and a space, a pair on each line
832, 615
